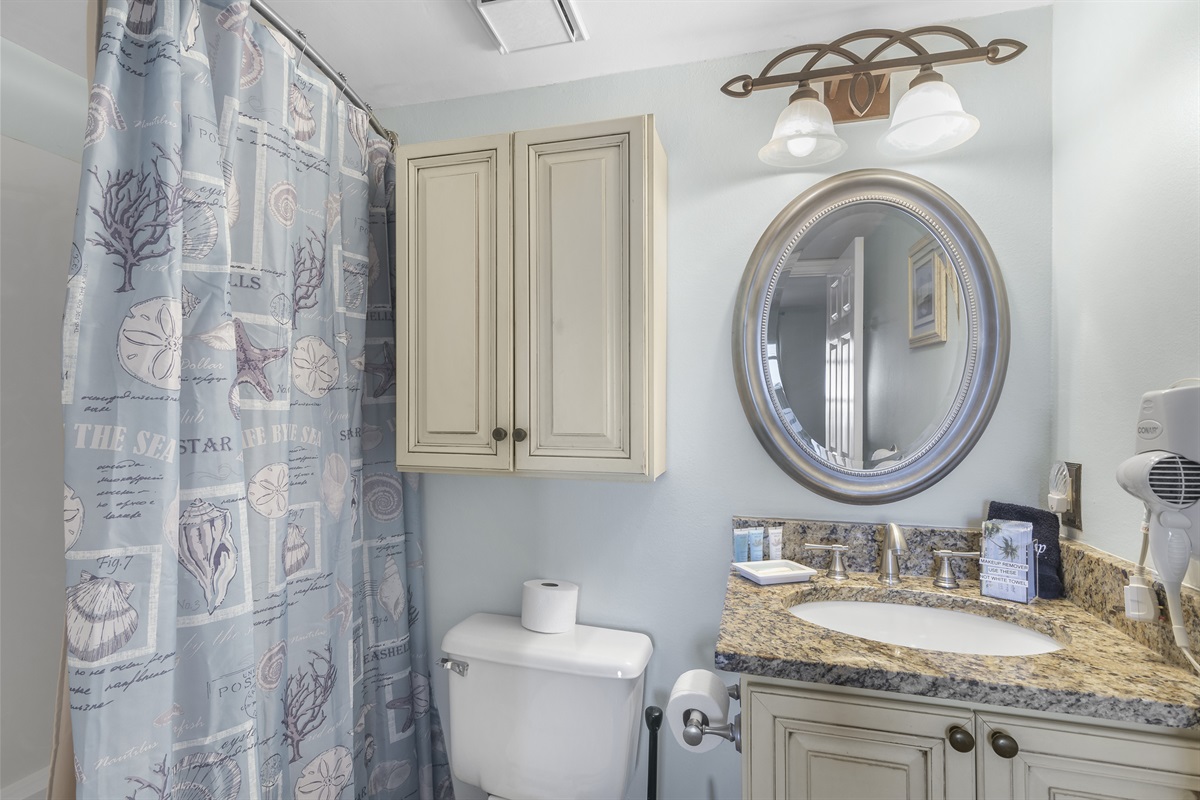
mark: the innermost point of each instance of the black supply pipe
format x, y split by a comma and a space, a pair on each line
654, 717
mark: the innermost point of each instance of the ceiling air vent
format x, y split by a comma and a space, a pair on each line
525, 24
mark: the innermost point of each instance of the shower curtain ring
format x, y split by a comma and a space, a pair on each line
303, 50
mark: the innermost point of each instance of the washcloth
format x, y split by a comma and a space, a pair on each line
1045, 533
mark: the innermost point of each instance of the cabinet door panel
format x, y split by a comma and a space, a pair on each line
454, 329
1066, 761
805, 746
580, 299
826, 762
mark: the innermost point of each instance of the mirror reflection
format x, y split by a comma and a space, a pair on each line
866, 337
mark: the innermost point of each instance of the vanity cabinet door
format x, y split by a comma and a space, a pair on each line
453, 365
806, 746
1063, 760
589, 297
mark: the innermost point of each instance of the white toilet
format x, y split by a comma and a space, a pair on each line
544, 716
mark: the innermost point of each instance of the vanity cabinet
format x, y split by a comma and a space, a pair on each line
824, 743
531, 289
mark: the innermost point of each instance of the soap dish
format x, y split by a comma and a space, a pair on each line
766, 573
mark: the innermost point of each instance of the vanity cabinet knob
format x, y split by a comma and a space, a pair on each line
519, 435
499, 434
1004, 745
961, 739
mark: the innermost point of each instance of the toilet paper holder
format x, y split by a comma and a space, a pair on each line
696, 727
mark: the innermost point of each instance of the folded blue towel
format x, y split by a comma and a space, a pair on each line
1045, 533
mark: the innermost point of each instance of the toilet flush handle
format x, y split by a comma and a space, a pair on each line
459, 667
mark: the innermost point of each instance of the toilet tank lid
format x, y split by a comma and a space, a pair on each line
593, 652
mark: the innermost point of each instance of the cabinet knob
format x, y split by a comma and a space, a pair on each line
1004, 745
961, 739
499, 434
519, 435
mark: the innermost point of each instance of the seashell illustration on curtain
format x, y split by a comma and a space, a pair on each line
207, 549
199, 226
391, 590
383, 494
282, 203
206, 776
150, 342
271, 778
271, 666
333, 483
102, 114
387, 776
300, 111
100, 620
72, 516
233, 19
295, 549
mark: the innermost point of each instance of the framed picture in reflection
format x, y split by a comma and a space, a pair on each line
926, 294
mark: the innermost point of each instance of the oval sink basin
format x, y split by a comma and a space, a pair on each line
926, 628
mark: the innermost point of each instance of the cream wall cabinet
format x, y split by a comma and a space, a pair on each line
826, 744
532, 295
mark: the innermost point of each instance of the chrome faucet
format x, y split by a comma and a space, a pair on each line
889, 562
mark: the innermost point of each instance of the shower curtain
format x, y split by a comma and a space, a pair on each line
244, 583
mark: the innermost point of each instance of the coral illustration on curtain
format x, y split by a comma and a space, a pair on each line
244, 573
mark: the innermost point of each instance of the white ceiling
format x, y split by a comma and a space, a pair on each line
399, 52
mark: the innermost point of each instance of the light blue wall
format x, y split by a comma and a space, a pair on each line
1126, 237
42, 112
41, 103
654, 558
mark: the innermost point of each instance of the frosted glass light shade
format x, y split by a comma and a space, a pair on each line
803, 136
928, 119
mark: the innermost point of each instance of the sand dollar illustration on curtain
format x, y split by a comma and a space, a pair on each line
72, 516
207, 549
315, 366
267, 491
150, 341
326, 776
100, 620
383, 494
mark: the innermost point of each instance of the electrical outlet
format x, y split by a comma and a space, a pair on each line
1073, 516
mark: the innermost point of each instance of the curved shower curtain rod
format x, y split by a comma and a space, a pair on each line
294, 36
339, 80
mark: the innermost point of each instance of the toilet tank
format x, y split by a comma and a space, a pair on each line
545, 716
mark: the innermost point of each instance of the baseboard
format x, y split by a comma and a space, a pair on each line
32, 787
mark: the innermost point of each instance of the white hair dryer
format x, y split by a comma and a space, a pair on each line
1165, 475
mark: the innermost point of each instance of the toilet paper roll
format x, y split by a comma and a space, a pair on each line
549, 606
705, 692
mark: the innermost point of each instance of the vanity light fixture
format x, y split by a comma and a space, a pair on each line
929, 117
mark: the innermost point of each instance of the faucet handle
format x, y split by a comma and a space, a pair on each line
837, 567
945, 578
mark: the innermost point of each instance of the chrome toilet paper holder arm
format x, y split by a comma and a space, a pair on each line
696, 727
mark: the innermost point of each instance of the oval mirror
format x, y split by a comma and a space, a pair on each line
870, 336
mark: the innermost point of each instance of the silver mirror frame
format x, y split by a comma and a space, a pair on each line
988, 326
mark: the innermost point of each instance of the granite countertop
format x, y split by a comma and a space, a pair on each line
1100, 672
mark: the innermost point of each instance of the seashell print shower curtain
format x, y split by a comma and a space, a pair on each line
244, 584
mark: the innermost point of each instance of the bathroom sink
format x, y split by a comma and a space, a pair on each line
926, 628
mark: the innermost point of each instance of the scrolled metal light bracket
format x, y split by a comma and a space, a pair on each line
862, 71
